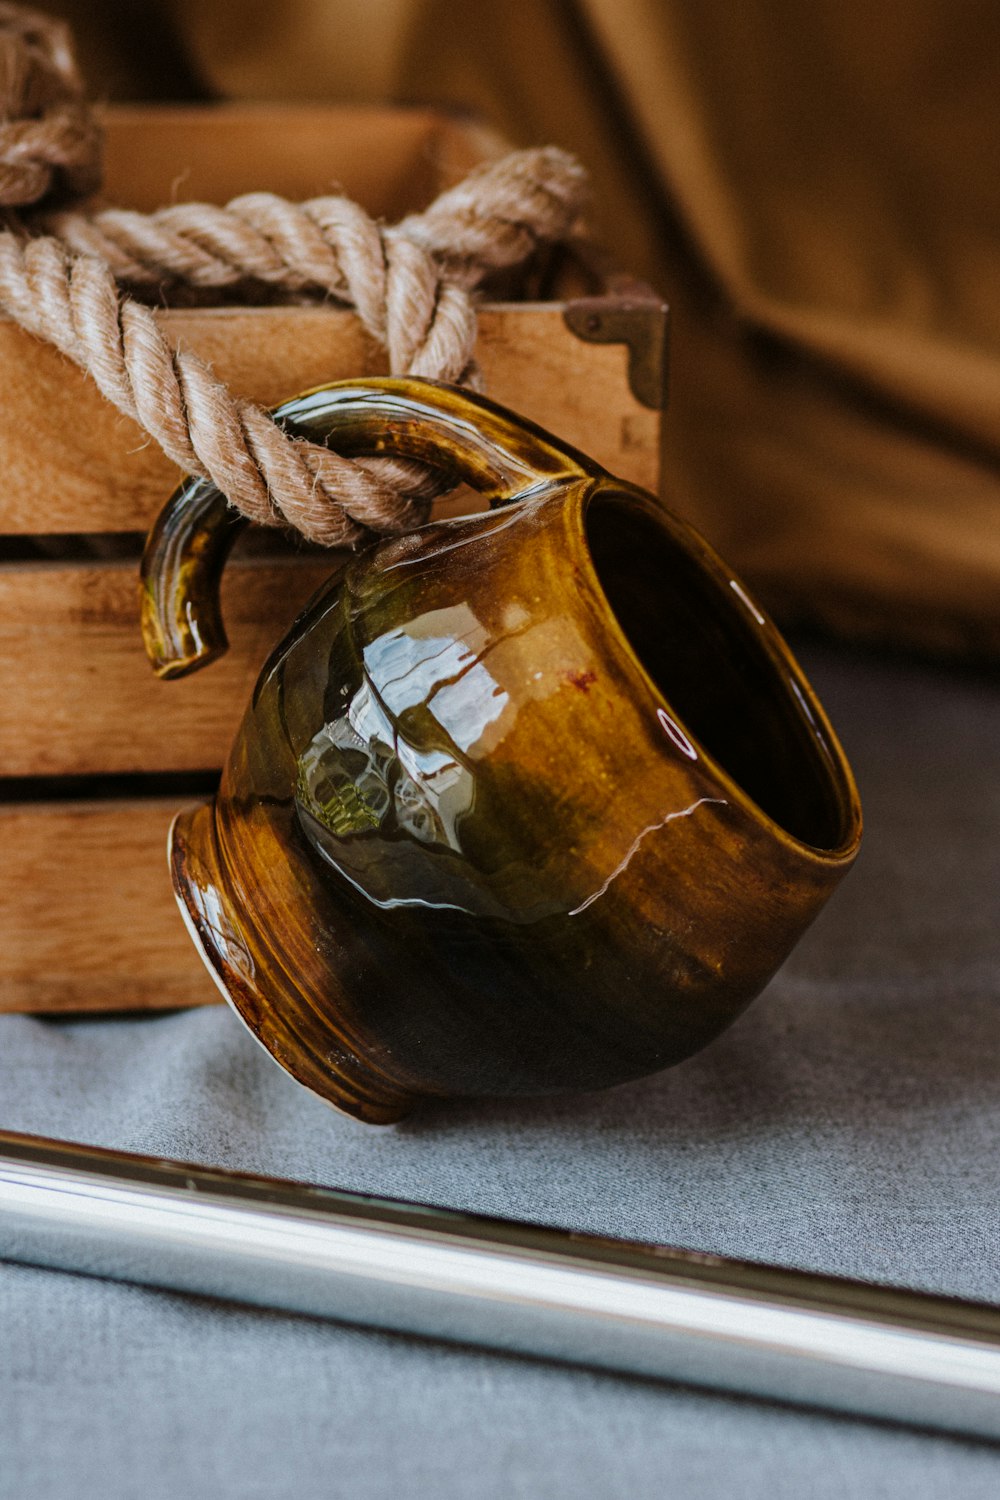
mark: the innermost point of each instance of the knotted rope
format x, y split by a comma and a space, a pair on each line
62, 271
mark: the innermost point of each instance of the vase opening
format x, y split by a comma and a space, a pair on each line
722, 669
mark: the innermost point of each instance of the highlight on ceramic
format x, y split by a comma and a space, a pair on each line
530, 801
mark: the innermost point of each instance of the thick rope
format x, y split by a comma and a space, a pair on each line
412, 286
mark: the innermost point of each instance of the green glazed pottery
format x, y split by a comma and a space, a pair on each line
531, 801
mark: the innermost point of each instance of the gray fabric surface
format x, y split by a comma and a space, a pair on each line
849, 1122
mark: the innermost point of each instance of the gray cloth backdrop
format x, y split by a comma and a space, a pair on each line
849, 1122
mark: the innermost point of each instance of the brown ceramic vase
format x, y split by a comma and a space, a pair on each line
531, 801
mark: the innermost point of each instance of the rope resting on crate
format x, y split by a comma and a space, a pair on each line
62, 271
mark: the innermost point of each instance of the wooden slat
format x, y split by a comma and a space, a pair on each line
580, 392
87, 915
77, 696
392, 161
72, 463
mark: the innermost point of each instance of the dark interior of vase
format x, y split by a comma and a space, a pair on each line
705, 650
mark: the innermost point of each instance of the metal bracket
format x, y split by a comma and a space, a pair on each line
631, 314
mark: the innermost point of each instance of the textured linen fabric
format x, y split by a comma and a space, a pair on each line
849, 1122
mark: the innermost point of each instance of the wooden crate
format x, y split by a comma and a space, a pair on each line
95, 754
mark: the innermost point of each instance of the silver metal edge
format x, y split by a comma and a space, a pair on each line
790, 1336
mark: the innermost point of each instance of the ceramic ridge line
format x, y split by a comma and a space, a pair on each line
793, 1336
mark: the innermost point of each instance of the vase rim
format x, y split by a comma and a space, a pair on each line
800, 698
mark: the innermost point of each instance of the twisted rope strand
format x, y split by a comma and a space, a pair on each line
75, 305
412, 287
491, 220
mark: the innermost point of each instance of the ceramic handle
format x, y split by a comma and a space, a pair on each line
454, 430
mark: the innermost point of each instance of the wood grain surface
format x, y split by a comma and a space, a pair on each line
77, 696
89, 917
392, 161
72, 463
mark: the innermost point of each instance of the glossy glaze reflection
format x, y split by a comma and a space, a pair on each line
530, 801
